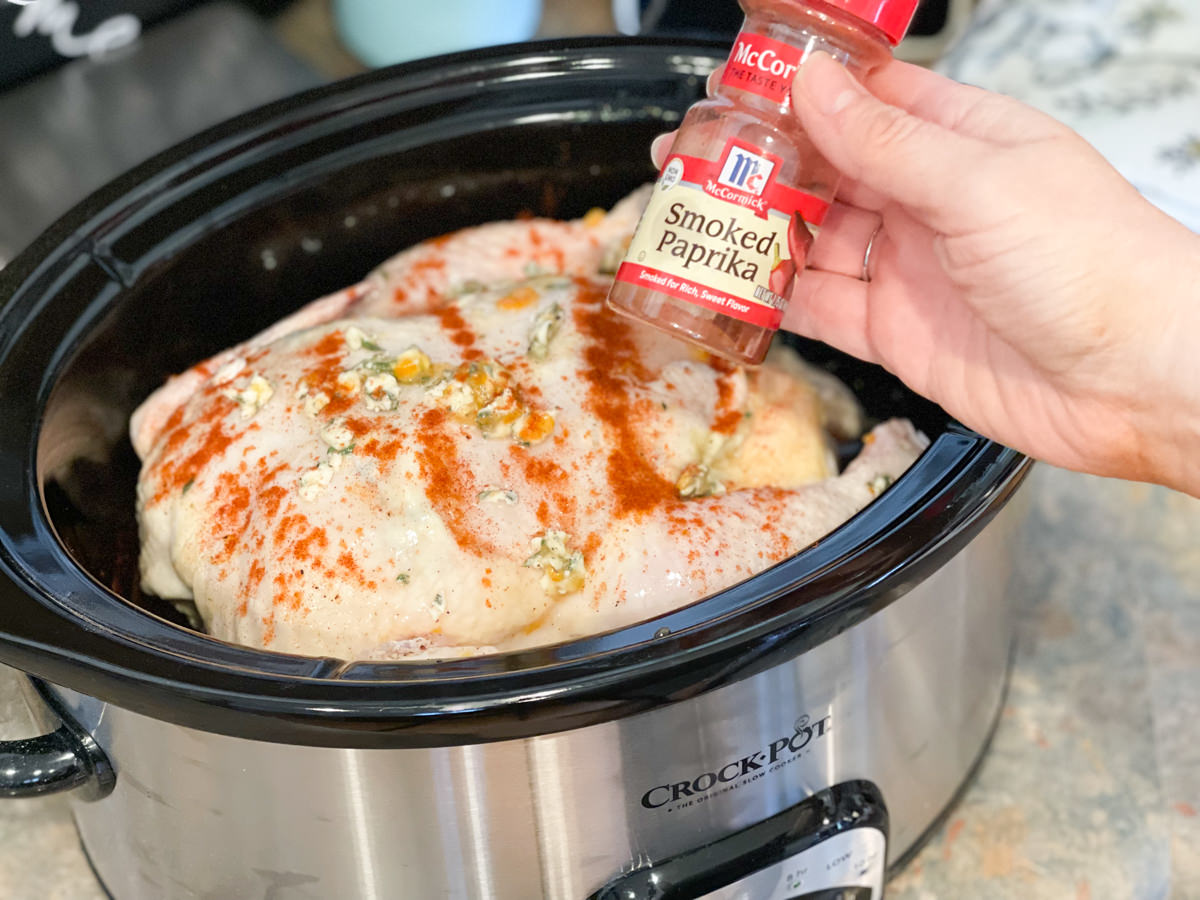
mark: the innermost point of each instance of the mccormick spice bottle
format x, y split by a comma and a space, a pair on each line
743, 192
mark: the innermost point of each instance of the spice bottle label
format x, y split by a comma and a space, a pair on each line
723, 234
762, 66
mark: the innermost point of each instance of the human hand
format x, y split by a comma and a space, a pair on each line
1015, 277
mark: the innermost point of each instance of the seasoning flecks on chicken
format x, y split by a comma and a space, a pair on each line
500, 469
420, 278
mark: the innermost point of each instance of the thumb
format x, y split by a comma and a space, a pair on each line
886, 149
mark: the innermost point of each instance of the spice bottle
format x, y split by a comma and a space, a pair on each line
743, 192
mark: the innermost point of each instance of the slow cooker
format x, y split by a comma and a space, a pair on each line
792, 736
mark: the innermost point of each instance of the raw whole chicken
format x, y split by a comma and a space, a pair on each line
466, 452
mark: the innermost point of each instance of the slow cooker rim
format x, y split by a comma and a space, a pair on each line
117, 668
120, 667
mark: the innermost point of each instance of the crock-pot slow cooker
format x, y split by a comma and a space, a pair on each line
789, 737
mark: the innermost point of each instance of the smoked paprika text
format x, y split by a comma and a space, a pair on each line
743, 192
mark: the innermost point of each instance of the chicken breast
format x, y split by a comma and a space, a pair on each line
476, 464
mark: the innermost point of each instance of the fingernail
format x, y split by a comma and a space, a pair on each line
660, 147
826, 83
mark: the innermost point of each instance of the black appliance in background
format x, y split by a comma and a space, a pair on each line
36, 35
723, 18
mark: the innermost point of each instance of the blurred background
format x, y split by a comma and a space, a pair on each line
89, 88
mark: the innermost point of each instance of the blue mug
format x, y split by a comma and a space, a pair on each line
383, 32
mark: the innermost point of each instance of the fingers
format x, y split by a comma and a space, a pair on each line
714, 78
882, 147
660, 147
830, 300
961, 108
852, 193
842, 244
949, 108
831, 308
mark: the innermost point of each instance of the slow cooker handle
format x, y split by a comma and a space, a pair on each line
823, 848
66, 759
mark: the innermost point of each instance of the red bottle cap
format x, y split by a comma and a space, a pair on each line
892, 17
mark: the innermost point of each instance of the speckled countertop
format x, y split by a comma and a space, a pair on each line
1091, 790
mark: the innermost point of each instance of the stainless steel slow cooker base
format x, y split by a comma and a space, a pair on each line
906, 699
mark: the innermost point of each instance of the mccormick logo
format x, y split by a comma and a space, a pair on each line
759, 53
762, 66
746, 171
694, 789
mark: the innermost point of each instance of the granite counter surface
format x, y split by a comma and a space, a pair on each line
1092, 786
1091, 789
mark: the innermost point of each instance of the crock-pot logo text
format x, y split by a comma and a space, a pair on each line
738, 772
